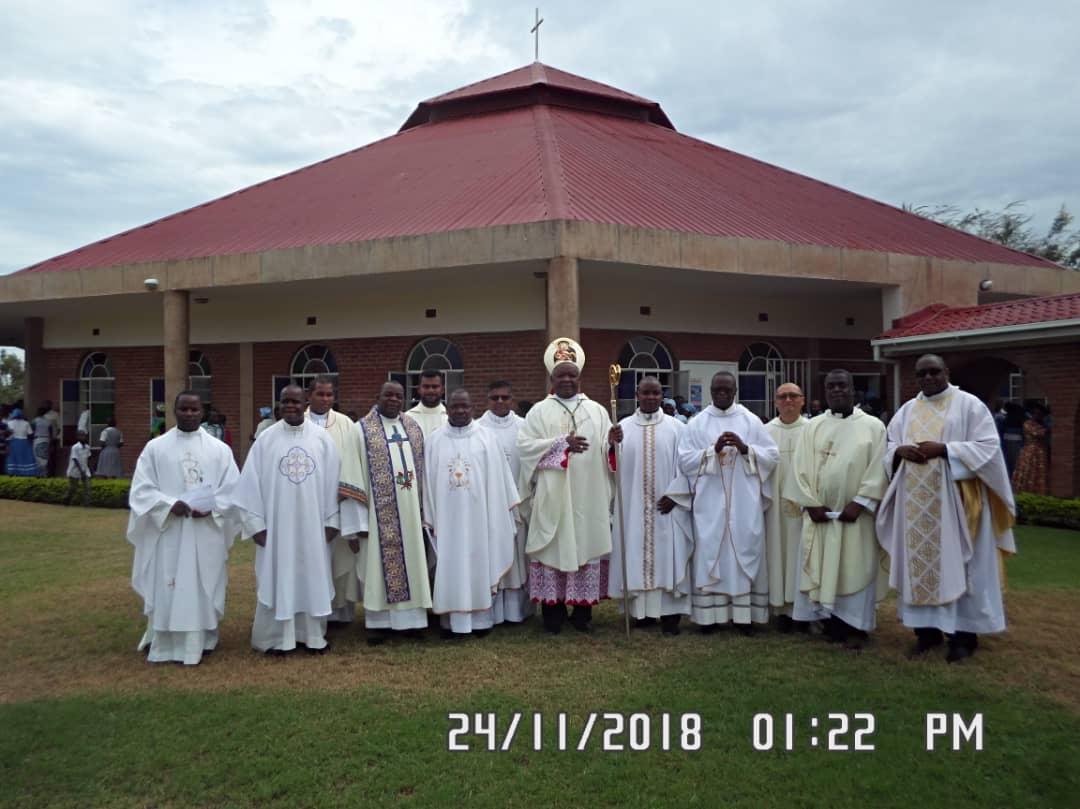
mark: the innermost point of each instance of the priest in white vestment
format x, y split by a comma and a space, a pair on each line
783, 520
839, 481
566, 488
341, 429
384, 520
512, 602
430, 412
657, 549
181, 536
470, 507
287, 501
727, 458
947, 515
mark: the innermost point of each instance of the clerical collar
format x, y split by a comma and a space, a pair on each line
187, 434
727, 412
460, 431
423, 408
941, 394
322, 419
501, 421
389, 419
299, 428
573, 398
649, 418
841, 415
795, 423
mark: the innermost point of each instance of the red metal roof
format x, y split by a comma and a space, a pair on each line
537, 73
579, 156
940, 319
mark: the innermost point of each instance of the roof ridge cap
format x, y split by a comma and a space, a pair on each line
551, 170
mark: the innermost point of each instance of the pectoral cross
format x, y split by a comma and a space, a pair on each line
405, 477
535, 31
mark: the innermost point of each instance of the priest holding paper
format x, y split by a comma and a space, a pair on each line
181, 536
947, 515
287, 500
726, 458
657, 550
566, 489
470, 510
839, 481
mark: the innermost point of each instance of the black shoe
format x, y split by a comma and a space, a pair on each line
413, 634
802, 627
481, 633
669, 624
784, 624
962, 645
926, 638
581, 618
275, 653
377, 637
708, 629
554, 617
856, 639
449, 634
957, 653
321, 651
746, 630
641, 623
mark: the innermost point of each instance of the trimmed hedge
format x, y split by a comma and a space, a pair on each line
103, 493
1058, 512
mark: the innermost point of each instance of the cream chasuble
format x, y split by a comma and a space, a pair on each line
566, 496
943, 522
180, 566
723, 508
342, 560
388, 490
838, 460
657, 550
469, 505
430, 419
783, 520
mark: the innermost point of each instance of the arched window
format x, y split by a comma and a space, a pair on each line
761, 371
199, 377
432, 354
309, 362
96, 393
643, 356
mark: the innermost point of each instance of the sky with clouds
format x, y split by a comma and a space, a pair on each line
116, 112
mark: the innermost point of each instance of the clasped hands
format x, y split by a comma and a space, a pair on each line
850, 513
182, 509
922, 452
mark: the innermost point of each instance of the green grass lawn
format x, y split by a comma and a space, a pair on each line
86, 723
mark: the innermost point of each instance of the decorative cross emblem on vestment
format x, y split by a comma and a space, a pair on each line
404, 478
826, 453
171, 584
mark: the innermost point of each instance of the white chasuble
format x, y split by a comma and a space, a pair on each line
840, 460
180, 562
288, 488
512, 601
389, 486
657, 550
783, 520
721, 501
943, 522
341, 429
469, 504
566, 497
430, 419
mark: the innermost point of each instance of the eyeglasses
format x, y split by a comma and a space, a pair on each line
495, 397
789, 396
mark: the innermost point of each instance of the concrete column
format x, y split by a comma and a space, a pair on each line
563, 299
177, 334
35, 381
241, 441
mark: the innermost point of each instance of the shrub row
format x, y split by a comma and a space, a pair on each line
1037, 509
103, 493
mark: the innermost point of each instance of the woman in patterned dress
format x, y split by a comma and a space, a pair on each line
1030, 473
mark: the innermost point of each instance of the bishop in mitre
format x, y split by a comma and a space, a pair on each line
566, 489
512, 602
727, 458
287, 502
947, 515
340, 428
182, 535
783, 520
839, 481
384, 520
657, 549
470, 509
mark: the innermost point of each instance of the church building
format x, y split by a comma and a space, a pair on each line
528, 206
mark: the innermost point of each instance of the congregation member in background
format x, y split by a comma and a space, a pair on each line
1012, 434
43, 440
1030, 473
287, 502
57, 431
512, 602
727, 457
470, 508
657, 550
78, 470
182, 533
5, 434
839, 481
267, 417
109, 464
20, 457
783, 520
947, 514
430, 412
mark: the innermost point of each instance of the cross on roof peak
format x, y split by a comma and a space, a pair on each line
535, 31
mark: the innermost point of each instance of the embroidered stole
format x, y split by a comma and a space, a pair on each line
923, 507
384, 498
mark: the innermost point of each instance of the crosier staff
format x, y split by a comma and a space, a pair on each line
614, 375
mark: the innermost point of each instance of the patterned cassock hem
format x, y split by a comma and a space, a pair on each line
586, 586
